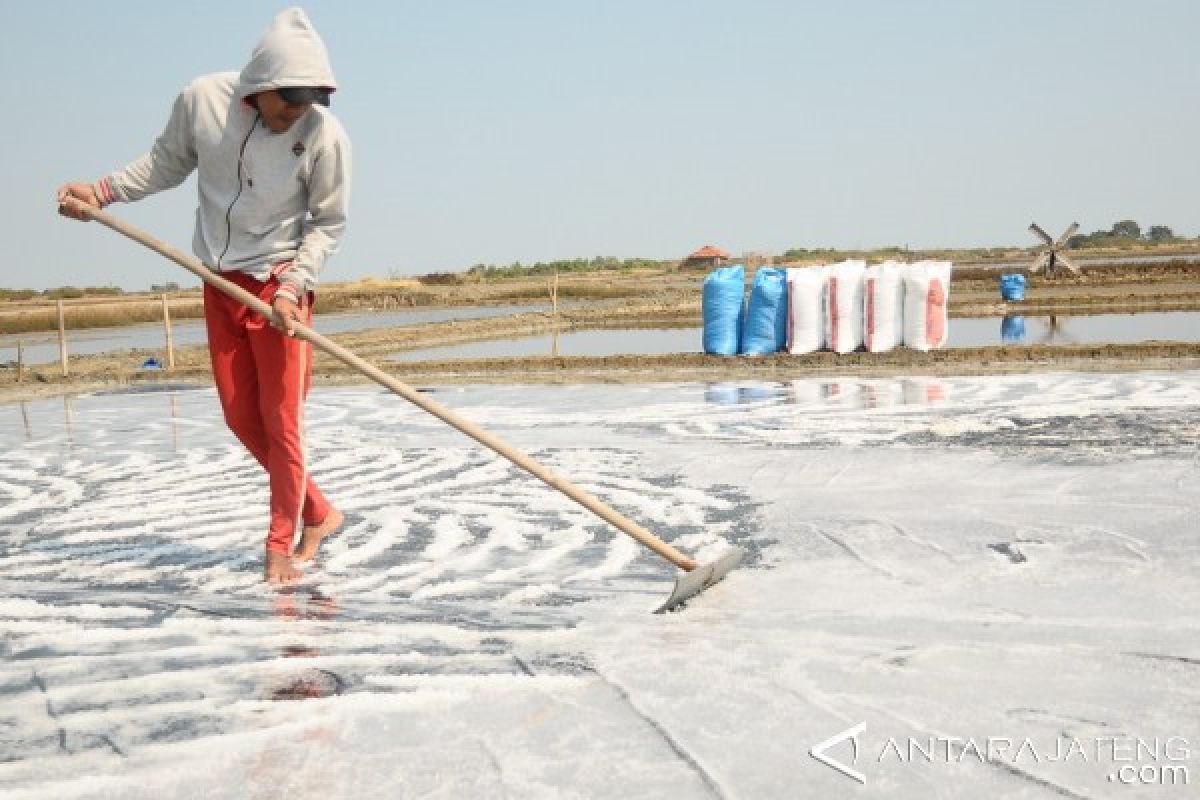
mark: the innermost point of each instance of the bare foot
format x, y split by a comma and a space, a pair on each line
313, 535
280, 569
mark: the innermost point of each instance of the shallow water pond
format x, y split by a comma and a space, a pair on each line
964, 332
42, 347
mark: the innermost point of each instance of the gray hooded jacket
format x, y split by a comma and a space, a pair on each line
269, 202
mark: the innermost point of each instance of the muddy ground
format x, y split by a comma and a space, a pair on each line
673, 300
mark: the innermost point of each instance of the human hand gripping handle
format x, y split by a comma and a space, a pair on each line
287, 313
71, 196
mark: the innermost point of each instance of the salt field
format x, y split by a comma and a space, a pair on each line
950, 563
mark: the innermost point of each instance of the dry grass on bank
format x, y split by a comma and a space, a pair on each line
373, 294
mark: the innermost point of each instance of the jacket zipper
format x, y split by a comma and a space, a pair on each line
229, 211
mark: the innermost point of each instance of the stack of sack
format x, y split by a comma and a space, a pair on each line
843, 307
847, 306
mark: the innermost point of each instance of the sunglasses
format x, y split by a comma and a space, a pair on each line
304, 95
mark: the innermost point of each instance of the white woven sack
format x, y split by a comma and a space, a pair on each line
883, 306
843, 306
806, 309
926, 300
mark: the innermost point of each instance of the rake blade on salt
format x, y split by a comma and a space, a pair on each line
690, 584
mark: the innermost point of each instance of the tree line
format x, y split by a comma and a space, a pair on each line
1124, 232
597, 264
60, 292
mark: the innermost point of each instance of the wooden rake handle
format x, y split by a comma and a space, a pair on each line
525, 462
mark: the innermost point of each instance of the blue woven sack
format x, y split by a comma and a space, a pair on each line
765, 329
724, 290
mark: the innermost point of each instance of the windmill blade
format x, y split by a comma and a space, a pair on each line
1061, 260
1037, 230
1062, 240
1040, 262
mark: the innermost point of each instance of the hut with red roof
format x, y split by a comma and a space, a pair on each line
708, 256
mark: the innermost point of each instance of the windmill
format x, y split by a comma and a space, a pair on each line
1051, 257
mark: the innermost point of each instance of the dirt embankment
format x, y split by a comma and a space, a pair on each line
673, 300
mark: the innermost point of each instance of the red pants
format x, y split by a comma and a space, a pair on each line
262, 378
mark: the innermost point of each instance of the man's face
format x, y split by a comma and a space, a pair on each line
277, 114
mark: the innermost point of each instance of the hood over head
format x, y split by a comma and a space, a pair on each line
290, 53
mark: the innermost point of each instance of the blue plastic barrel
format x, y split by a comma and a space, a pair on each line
1012, 287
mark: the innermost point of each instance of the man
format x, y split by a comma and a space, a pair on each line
273, 172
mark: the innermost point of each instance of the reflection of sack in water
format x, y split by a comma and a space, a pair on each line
757, 394
882, 394
924, 391
1012, 329
804, 393
721, 394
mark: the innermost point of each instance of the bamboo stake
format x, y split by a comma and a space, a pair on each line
20, 361
62, 337
554, 303
167, 329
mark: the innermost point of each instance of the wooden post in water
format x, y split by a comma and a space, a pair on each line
554, 306
20, 361
167, 328
62, 337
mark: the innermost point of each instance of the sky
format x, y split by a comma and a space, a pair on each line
534, 130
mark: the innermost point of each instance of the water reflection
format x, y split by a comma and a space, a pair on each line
174, 401
296, 605
849, 394
69, 420
272, 768
1180, 326
1012, 329
1056, 330
41, 347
